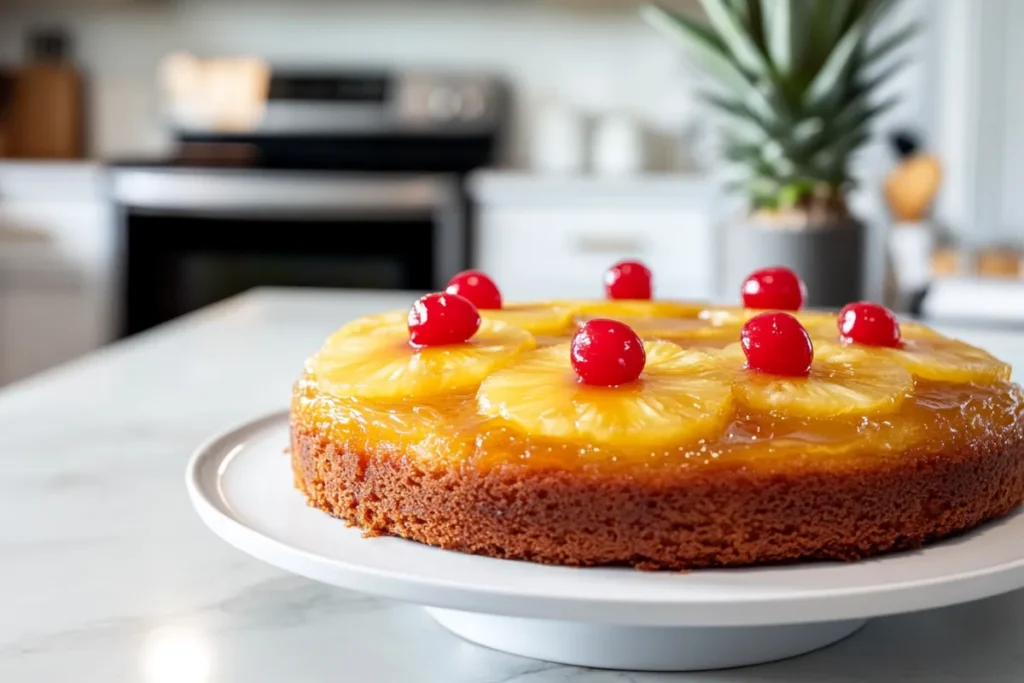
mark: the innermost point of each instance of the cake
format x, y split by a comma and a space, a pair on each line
656, 434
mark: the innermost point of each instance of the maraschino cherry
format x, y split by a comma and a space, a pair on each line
628, 280
777, 344
774, 288
607, 353
442, 318
870, 324
477, 287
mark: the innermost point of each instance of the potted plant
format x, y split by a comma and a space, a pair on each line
797, 82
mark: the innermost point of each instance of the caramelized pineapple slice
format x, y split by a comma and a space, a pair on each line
681, 396
534, 318
931, 356
724, 316
845, 381
369, 323
651, 319
377, 362
631, 308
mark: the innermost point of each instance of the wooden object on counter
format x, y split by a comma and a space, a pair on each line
1000, 263
911, 188
47, 106
6, 99
947, 262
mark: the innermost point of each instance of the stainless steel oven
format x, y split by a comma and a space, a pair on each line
317, 202
191, 237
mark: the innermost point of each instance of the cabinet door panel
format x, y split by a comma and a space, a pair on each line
41, 327
554, 252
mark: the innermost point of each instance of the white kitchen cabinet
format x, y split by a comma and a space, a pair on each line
543, 238
56, 266
42, 326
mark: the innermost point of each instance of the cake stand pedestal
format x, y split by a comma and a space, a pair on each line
242, 487
642, 648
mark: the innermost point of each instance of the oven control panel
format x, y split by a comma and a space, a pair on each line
354, 102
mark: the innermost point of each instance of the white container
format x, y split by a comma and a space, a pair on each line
910, 256
618, 146
558, 143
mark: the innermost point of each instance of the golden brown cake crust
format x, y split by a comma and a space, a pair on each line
728, 517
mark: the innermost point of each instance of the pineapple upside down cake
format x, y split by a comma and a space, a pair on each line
656, 434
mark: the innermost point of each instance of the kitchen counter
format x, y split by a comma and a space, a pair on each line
519, 188
106, 574
29, 179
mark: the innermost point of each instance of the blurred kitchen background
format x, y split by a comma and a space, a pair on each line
160, 155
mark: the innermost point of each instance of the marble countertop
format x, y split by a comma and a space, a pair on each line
107, 575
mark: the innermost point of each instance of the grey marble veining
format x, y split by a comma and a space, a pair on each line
107, 575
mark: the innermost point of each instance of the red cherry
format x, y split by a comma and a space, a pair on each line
477, 287
777, 344
442, 318
628, 280
607, 353
777, 288
870, 324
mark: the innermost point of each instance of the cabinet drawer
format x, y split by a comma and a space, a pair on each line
564, 252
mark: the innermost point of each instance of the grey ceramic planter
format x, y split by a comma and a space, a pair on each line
829, 258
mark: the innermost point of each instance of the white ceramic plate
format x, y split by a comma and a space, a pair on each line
241, 484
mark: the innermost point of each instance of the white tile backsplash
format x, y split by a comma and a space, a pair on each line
597, 61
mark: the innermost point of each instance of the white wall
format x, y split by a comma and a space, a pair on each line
597, 60
981, 122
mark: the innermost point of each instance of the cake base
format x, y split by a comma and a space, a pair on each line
642, 648
670, 520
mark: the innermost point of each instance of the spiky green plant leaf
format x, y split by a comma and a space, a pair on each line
797, 81
827, 82
736, 36
890, 44
708, 49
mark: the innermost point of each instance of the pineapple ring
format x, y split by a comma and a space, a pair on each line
379, 362
929, 355
651, 319
633, 308
369, 323
825, 327
936, 358
737, 316
534, 319
668, 328
726, 316
845, 381
681, 396
548, 320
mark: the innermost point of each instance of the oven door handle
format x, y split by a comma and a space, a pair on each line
292, 192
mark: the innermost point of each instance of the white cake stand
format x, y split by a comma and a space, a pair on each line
241, 485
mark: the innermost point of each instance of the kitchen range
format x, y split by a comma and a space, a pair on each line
348, 179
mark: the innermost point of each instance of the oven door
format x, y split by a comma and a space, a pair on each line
191, 238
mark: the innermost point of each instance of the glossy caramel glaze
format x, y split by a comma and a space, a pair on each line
939, 417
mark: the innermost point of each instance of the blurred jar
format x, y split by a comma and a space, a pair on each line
558, 143
618, 146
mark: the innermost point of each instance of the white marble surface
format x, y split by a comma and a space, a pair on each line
107, 575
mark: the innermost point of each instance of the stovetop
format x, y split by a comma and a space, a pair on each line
406, 153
